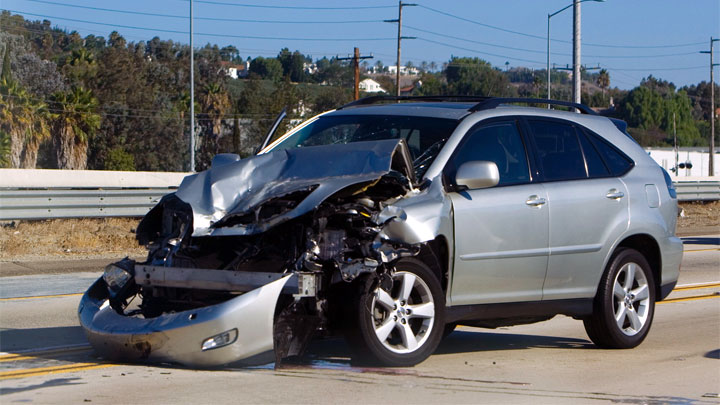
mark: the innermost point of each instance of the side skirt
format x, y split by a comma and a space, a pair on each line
577, 308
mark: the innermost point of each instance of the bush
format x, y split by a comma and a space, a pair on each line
118, 159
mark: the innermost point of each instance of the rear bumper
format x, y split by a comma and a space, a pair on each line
178, 337
672, 254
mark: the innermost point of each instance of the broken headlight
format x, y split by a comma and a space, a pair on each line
117, 275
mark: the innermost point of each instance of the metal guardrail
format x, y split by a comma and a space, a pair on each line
51, 203
701, 190
77, 203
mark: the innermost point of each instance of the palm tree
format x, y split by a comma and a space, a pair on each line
215, 103
4, 149
75, 121
536, 85
24, 119
603, 80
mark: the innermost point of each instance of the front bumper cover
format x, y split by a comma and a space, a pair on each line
178, 337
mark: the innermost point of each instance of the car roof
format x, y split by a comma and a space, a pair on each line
448, 110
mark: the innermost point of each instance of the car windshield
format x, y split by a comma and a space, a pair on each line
424, 136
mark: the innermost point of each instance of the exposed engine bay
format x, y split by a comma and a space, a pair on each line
318, 214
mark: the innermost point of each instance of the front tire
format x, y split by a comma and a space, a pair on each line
625, 302
403, 326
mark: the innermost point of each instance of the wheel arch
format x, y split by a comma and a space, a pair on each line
435, 254
649, 248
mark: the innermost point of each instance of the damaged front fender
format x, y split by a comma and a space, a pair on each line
244, 324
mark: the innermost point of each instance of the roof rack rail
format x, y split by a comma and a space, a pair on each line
379, 99
493, 102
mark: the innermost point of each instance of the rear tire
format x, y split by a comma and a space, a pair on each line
625, 302
401, 327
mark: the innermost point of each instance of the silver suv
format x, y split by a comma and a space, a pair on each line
391, 223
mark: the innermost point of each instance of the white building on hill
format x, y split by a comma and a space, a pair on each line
370, 86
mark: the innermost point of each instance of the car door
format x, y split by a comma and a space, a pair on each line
588, 207
501, 233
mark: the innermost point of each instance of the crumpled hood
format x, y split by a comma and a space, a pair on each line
242, 186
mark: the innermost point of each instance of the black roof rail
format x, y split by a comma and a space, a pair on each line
379, 99
493, 102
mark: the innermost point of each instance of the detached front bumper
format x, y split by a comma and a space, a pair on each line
178, 337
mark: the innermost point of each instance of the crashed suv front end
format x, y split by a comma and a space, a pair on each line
254, 255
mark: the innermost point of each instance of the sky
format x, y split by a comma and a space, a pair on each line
630, 38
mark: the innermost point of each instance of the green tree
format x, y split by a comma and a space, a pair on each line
6, 65
651, 107
24, 118
266, 68
603, 80
215, 102
476, 77
4, 150
330, 98
75, 121
293, 65
119, 159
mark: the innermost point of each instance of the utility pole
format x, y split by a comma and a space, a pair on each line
399, 40
711, 167
675, 145
356, 64
576, 45
192, 94
577, 79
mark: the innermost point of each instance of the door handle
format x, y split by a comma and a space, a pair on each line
535, 201
614, 194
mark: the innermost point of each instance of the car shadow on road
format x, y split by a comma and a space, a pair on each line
695, 240
335, 351
475, 341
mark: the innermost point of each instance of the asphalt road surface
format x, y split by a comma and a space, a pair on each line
45, 358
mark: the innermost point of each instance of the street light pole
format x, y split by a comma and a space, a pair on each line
192, 93
576, 36
577, 80
711, 160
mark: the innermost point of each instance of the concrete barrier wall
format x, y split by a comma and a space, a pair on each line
45, 178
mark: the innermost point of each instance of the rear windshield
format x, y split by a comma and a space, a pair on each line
424, 136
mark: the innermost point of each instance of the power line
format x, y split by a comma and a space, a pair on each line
543, 52
203, 33
655, 69
222, 3
479, 52
554, 39
184, 17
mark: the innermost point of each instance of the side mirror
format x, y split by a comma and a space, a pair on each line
222, 159
477, 174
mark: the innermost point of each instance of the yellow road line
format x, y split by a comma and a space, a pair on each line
36, 354
698, 297
702, 250
40, 296
68, 368
697, 287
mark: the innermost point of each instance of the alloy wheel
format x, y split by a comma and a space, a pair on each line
404, 317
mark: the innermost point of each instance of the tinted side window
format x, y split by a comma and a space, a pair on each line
500, 143
595, 165
617, 162
558, 150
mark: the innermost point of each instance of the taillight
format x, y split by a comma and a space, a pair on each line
669, 184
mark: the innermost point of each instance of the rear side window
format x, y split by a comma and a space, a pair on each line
595, 165
616, 161
558, 150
